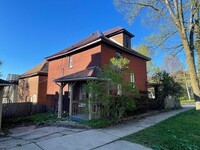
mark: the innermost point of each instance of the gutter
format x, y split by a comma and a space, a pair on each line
75, 79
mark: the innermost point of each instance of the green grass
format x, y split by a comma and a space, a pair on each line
35, 119
181, 132
187, 101
97, 123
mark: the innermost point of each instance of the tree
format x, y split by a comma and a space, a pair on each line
171, 64
172, 18
151, 66
111, 90
167, 86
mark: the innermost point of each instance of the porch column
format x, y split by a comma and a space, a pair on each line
89, 107
1, 107
60, 101
70, 98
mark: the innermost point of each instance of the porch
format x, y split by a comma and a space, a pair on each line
80, 107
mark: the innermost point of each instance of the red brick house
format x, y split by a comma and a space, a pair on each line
73, 66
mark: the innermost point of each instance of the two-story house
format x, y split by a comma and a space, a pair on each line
70, 68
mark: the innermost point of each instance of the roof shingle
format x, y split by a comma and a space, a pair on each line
41, 68
104, 37
88, 73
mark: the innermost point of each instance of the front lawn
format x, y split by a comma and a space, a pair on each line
181, 132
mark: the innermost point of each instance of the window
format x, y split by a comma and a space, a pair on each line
132, 78
82, 95
118, 55
70, 61
126, 41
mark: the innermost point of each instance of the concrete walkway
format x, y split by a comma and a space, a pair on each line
102, 139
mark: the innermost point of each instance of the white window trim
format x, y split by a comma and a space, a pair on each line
132, 77
70, 61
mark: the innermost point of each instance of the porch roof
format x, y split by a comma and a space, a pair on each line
86, 74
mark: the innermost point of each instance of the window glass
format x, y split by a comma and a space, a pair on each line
132, 78
118, 55
126, 41
70, 61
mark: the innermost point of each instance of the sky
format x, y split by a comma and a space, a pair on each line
31, 30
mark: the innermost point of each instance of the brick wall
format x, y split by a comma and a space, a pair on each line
42, 90
27, 89
136, 65
60, 67
32, 89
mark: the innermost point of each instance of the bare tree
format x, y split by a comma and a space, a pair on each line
171, 64
172, 17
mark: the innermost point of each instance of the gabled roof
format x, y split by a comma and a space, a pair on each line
88, 73
95, 38
40, 69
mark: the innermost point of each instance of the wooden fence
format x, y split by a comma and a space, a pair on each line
21, 109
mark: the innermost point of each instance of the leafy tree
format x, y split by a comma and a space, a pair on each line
175, 20
167, 86
111, 90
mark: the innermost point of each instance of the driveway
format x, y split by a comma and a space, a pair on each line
59, 138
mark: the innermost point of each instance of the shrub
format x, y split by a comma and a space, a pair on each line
167, 87
112, 92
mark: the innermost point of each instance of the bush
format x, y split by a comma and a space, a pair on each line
142, 104
167, 87
112, 91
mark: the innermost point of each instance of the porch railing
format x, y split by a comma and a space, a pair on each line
78, 107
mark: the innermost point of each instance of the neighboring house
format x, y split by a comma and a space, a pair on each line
70, 68
32, 85
3, 84
11, 92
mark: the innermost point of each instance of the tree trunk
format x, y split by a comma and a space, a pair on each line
192, 69
197, 33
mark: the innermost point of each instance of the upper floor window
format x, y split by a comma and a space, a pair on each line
132, 78
118, 55
127, 41
70, 61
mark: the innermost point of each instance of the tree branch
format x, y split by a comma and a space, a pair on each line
142, 4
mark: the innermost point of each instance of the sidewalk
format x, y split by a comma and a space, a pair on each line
101, 139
